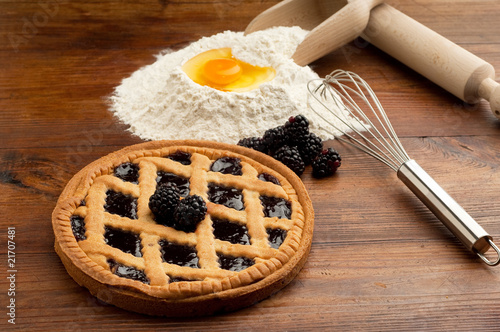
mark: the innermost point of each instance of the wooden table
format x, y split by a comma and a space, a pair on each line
379, 260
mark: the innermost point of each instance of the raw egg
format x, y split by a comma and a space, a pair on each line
220, 70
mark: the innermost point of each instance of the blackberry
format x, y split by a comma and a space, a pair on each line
326, 163
310, 147
190, 211
290, 156
256, 143
274, 138
296, 128
163, 203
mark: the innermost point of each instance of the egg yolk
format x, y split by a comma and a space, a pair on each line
220, 70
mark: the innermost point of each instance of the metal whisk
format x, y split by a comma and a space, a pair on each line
341, 99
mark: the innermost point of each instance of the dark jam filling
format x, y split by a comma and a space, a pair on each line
235, 264
229, 197
128, 272
78, 227
276, 237
127, 242
179, 254
121, 204
269, 178
181, 157
181, 183
227, 165
276, 207
127, 172
225, 230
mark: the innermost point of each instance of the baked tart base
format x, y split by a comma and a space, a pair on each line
253, 241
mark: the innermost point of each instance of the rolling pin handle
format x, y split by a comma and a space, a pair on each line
490, 90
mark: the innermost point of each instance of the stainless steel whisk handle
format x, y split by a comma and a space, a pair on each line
451, 214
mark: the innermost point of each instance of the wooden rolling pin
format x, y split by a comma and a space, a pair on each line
460, 72
333, 23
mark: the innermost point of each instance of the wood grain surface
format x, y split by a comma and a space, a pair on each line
379, 261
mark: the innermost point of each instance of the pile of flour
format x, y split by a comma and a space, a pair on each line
160, 101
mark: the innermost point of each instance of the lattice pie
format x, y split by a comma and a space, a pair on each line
251, 240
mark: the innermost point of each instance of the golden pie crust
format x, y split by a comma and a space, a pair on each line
210, 289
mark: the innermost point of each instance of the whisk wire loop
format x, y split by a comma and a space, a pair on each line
393, 146
336, 92
371, 149
346, 127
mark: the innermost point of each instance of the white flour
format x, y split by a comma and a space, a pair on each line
160, 101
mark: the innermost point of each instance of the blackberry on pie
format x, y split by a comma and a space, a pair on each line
163, 203
189, 213
240, 230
